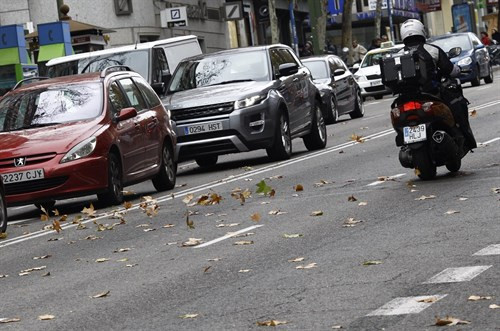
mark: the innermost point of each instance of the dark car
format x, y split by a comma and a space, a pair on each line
244, 99
339, 90
85, 134
3, 209
474, 58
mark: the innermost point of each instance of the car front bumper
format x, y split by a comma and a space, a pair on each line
371, 88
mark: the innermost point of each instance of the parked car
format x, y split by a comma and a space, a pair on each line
340, 93
474, 57
368, 75
155, 60
244, 99
3, 209
84, 134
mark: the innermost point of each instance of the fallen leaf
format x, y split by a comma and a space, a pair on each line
357, 138
298, 188
294, 235
308, 266
189, 222
145, 225
277, 212
171, 243
92, 237
425, 197
121, 250
372, 262
122, 260
265, 203
317, 213
263, 188
272, 193
271, 323
189, 316
243, 242
207, 268
477, 298
90, 211
448, 320
463, 199
46, 317
297, 259
410, 184
244, 270
215, 259
9, 320
255, 217
494, 306
149, 230
417, 172
101, 295
3, 235
28, 271
81, 226
473, 113
215, 198
428, 300
362, 203
450, 212
187, 199
127, 204
4, 276
192, 242
56, 226
227, 225
496, 190
41, 257
55, 239
168, 226
128, 192
46, 274
337, 327
351, 198
102, 259
350, 222
321, 183
131, 265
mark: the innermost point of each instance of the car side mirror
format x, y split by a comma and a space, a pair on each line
338, 72
126, 113
287, 69
454, 52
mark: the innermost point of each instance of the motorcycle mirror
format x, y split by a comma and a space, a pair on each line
454, 52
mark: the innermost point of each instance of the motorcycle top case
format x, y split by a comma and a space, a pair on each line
404, 72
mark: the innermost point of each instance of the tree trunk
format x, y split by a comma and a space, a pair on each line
378, 18
498, 16
275, 36
321, 25
347, 28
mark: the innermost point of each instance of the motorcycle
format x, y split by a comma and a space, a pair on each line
427, 131
494, 53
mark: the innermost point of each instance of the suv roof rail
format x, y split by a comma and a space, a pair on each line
111, 69
22, 81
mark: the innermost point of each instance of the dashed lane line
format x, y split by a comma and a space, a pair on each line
378, 182
227, 236
490, 250
455, 275
489, 141
407, 305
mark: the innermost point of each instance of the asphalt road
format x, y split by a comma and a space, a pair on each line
414, 250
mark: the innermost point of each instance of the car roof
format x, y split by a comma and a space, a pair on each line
234, 51
318, 57
450, 35
139, 46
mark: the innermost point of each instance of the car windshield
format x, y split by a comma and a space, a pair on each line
318, 69
52, 105
448, 43
220, 69
137, 60
372, 59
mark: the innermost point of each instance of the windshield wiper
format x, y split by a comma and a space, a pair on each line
233, 81
39, 125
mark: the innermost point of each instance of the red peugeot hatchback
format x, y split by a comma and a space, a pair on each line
86, 134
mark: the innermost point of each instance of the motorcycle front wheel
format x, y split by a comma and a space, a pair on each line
425, 168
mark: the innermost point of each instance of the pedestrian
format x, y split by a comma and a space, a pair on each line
308, 49
485, 39
330, 48
495, 35
358, 51
375, 44
384, 38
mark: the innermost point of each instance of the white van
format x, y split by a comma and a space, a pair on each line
155, 60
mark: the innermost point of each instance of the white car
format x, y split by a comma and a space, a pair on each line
368, 75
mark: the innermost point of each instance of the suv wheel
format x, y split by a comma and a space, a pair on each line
282, 145
334, 112
476, 81
165, 179
489, 79
359, 108
3, 214
316, 139
114, 193
207, 161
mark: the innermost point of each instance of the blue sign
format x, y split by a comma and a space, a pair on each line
335, 7
462, 18
53, 33
12, 36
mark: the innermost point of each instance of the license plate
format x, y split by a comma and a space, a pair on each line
376, 82
413, 134
23, 176
202, 128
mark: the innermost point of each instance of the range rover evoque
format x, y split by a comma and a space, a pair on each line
244, 99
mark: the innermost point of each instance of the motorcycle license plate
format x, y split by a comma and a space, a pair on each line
413, 134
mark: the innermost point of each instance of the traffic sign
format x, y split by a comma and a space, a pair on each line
173, 17
233, 10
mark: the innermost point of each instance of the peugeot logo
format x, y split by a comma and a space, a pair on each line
20, 161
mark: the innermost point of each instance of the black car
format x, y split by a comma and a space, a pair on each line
244, 99
3, 209
339, 90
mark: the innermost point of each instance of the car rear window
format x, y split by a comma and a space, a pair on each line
53, 105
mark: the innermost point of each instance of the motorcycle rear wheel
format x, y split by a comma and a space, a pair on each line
454, 166
422, 161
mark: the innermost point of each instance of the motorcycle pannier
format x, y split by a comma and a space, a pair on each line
404, 72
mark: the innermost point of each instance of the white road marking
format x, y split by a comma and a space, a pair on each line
406, 305
486, 105
489, 141
229, 235
490, 250
484, 87
375, 116
378, 182
454, 275
20, 221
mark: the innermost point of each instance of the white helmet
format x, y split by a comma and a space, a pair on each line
412, 27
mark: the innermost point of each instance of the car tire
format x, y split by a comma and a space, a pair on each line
47, 205
165, 179
476, 81
282, 144
422, 162
207, 161
3, 213
334, 111
359, 108
489, 79
114, 192
316, 139
454, 165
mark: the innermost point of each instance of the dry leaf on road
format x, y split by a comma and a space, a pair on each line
4, 276
90, 211
189, 316
293, 235
308, 266
9, 320
168, 226
362, 203
450, 212
189, 223
121, 250
127, 205
244, 270
317, 213
297, 259
496, 190
351, 198
298, 188
187, 199
101, 260
448, 320
350, 222
271, 323
463, 199
357, 138
101, 295
255, 217
372, 262
215, 259
426, 197
428, 300
473, 113
277, 212
494, 306
46, 317
243, 242
192, 242
41, 257
477, 298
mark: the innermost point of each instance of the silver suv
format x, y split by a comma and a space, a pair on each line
244, 99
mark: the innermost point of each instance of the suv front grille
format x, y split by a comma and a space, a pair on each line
373, 76
375, 88
30, 159
216, 147
34, 185
203, 111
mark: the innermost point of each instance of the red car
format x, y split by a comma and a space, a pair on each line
86, 134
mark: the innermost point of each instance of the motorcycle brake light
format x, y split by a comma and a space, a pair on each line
409, 106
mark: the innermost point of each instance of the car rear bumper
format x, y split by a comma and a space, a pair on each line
367, 90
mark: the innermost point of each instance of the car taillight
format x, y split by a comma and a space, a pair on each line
409, 106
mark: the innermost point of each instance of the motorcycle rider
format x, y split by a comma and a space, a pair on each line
413, 35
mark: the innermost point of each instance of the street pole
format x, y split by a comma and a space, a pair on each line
389, 12
314, 14
293, 27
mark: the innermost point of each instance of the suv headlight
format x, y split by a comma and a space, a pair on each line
80, 150
250, 101
465, 62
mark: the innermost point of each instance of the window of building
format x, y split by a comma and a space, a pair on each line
123, 7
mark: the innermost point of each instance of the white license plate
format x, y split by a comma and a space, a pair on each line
202, 128
413, 134
376, 82
23, 176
